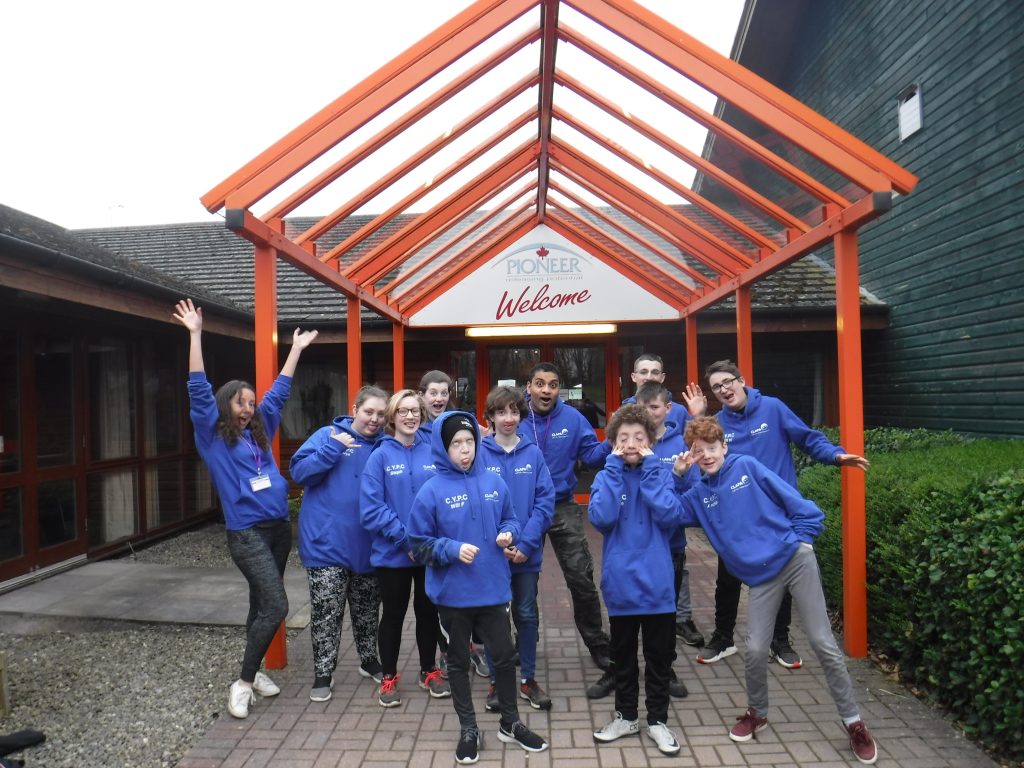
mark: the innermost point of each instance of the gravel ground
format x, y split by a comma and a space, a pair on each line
118, 693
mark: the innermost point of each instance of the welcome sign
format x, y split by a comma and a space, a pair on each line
543, 278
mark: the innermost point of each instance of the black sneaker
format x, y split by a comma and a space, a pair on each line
716, 650
470, 743
600, 657
523, 736
687, 632
783, 653
492, 704
604, 686
676, 687
372, 669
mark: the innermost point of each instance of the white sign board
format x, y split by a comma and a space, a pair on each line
543, 278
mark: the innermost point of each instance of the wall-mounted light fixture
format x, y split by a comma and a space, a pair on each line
580, 329
911, 111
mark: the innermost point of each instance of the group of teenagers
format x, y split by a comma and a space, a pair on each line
405, 496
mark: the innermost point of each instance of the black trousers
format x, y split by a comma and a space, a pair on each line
491, 623
394, 584
727, 603
659, 644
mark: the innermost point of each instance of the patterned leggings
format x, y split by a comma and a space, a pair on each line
329, 588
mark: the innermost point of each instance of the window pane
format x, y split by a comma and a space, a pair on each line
319, 392
511, 365
111, 506
161, 399
163, 494
55, 423
198, 488
583, 386
12, 530
10, 407
58, 519
111, 401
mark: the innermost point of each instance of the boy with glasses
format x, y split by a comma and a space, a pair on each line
762, 427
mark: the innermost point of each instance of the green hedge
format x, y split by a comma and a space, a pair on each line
945, 569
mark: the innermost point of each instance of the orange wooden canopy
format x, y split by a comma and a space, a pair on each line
530, 143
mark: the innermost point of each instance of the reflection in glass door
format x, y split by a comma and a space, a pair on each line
584, 385
511, 365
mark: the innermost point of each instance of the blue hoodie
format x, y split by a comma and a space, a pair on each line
533, 495
637, 510
765, 428
330, 533
564, 435
233, 466
391, 479
670, 445
455, 508
752, 517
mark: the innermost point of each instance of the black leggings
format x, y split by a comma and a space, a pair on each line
394, 586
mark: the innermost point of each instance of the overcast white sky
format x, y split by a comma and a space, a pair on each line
118, 112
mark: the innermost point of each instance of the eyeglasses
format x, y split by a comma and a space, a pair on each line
407, 411
723, 384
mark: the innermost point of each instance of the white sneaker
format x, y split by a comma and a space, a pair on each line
264, 686
240, 698
617, 728
662, 736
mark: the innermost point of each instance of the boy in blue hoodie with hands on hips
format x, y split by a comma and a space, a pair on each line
460, 525
633, 503
764, 531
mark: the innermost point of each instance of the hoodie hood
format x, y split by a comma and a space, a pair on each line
442, 460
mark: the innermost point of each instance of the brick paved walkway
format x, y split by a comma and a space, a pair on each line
290, 731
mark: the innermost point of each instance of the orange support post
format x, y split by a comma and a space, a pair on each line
851, 434
354, 345
265, 294
744, 335
398, 354
692, 372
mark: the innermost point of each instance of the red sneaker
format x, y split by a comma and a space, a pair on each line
748, 724
862, 743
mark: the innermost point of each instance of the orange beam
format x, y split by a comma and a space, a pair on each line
482, 236
398, 355
867, 208
748, 92
416, 160
546, 97
561, 223
362, 103
354, 347
384, 257
718, 127
744, 334
265, 310
257, 232
449, 244
462, 271
368, 229
435, 100
710, 170
663, 178
634, 235
851, 434
652, 214
667, 287
692, 366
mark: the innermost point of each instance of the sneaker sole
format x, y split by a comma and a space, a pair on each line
263, 695
607, 740
509, 739
321, 697
712, 659
389, 704
375, 677
745, 739
535, 705
663, 750
795, 665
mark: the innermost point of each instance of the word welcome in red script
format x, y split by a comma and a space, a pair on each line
537, 302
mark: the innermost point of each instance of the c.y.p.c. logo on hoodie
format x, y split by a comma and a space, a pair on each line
457, 501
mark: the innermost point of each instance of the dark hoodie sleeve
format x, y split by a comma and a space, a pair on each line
807, 519
375, 514
429, 548
605, 495
810, 441
316, 457
532, 537
658, 491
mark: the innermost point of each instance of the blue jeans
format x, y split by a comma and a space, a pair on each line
527, 620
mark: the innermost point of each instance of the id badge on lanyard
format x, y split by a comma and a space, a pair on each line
261, 482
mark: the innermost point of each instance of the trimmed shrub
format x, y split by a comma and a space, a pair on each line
945, 566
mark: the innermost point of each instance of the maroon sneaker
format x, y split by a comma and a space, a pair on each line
862, 743
748, 724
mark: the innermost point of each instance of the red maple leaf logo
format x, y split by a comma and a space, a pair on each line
543, 252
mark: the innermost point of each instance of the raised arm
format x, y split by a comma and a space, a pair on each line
186, 313
300, 340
